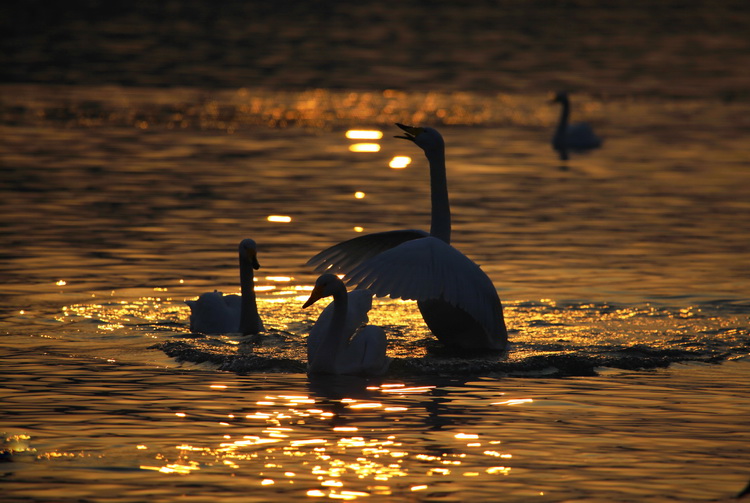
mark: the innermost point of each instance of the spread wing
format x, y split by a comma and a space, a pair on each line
344, 256
429, 268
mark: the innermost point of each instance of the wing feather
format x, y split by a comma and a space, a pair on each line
345, 256
428, 268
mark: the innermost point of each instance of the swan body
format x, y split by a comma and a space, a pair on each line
334, 345
457, 299
216, 313
576, 137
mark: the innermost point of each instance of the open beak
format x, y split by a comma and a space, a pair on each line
315, 295
411, 132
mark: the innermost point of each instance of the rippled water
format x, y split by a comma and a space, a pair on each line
633, 257
91, 430
624, 273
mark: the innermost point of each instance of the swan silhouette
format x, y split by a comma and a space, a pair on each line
334, 345
216, 313
576, 137
457, 299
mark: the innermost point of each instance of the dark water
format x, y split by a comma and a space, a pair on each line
140, 144
672, 48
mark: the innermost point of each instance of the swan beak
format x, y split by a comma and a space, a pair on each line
252, 257
411, 132
558, 97
315, 295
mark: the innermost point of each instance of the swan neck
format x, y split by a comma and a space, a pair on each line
564, 117
335, 339
559, 141
250, 322
441, 211
338, 320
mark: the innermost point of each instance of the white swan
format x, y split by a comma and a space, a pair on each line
457, 300
216, 313
331, 347
577, 137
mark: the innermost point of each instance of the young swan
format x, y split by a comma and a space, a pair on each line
216, 313
335, 345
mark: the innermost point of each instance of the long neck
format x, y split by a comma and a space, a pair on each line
441, 209
334, 339
250, 322
564, 116
559, 140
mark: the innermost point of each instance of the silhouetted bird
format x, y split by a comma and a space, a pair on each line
457, 299
337, 344
577, 137
216, 313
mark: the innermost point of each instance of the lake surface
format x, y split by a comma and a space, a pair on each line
624, 273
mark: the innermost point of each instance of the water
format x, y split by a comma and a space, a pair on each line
623, 273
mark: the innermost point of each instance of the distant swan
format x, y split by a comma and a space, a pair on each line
334, 345
216, 313
577, 137
457, 299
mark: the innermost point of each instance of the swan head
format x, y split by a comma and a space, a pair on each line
560, 97
426, 138
249, 253
325, 286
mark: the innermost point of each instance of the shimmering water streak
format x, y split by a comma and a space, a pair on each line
547, 336
142, 429
239, 109
326, 465
354, 134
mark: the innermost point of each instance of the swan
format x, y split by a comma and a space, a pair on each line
457, 299
216, 313
577, 137
334, 345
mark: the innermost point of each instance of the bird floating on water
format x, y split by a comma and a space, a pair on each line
576, 137
335, 346
457, 299
216, 313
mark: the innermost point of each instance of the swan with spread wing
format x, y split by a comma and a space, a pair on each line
216, 313
457, 299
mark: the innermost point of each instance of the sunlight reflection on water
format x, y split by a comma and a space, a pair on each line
544, 334
336, 455
630, 258
121, 202
281, 437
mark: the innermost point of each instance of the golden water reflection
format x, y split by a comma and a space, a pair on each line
239, 109
538, 329
364, 147
299, 440
362, 134
399, 162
